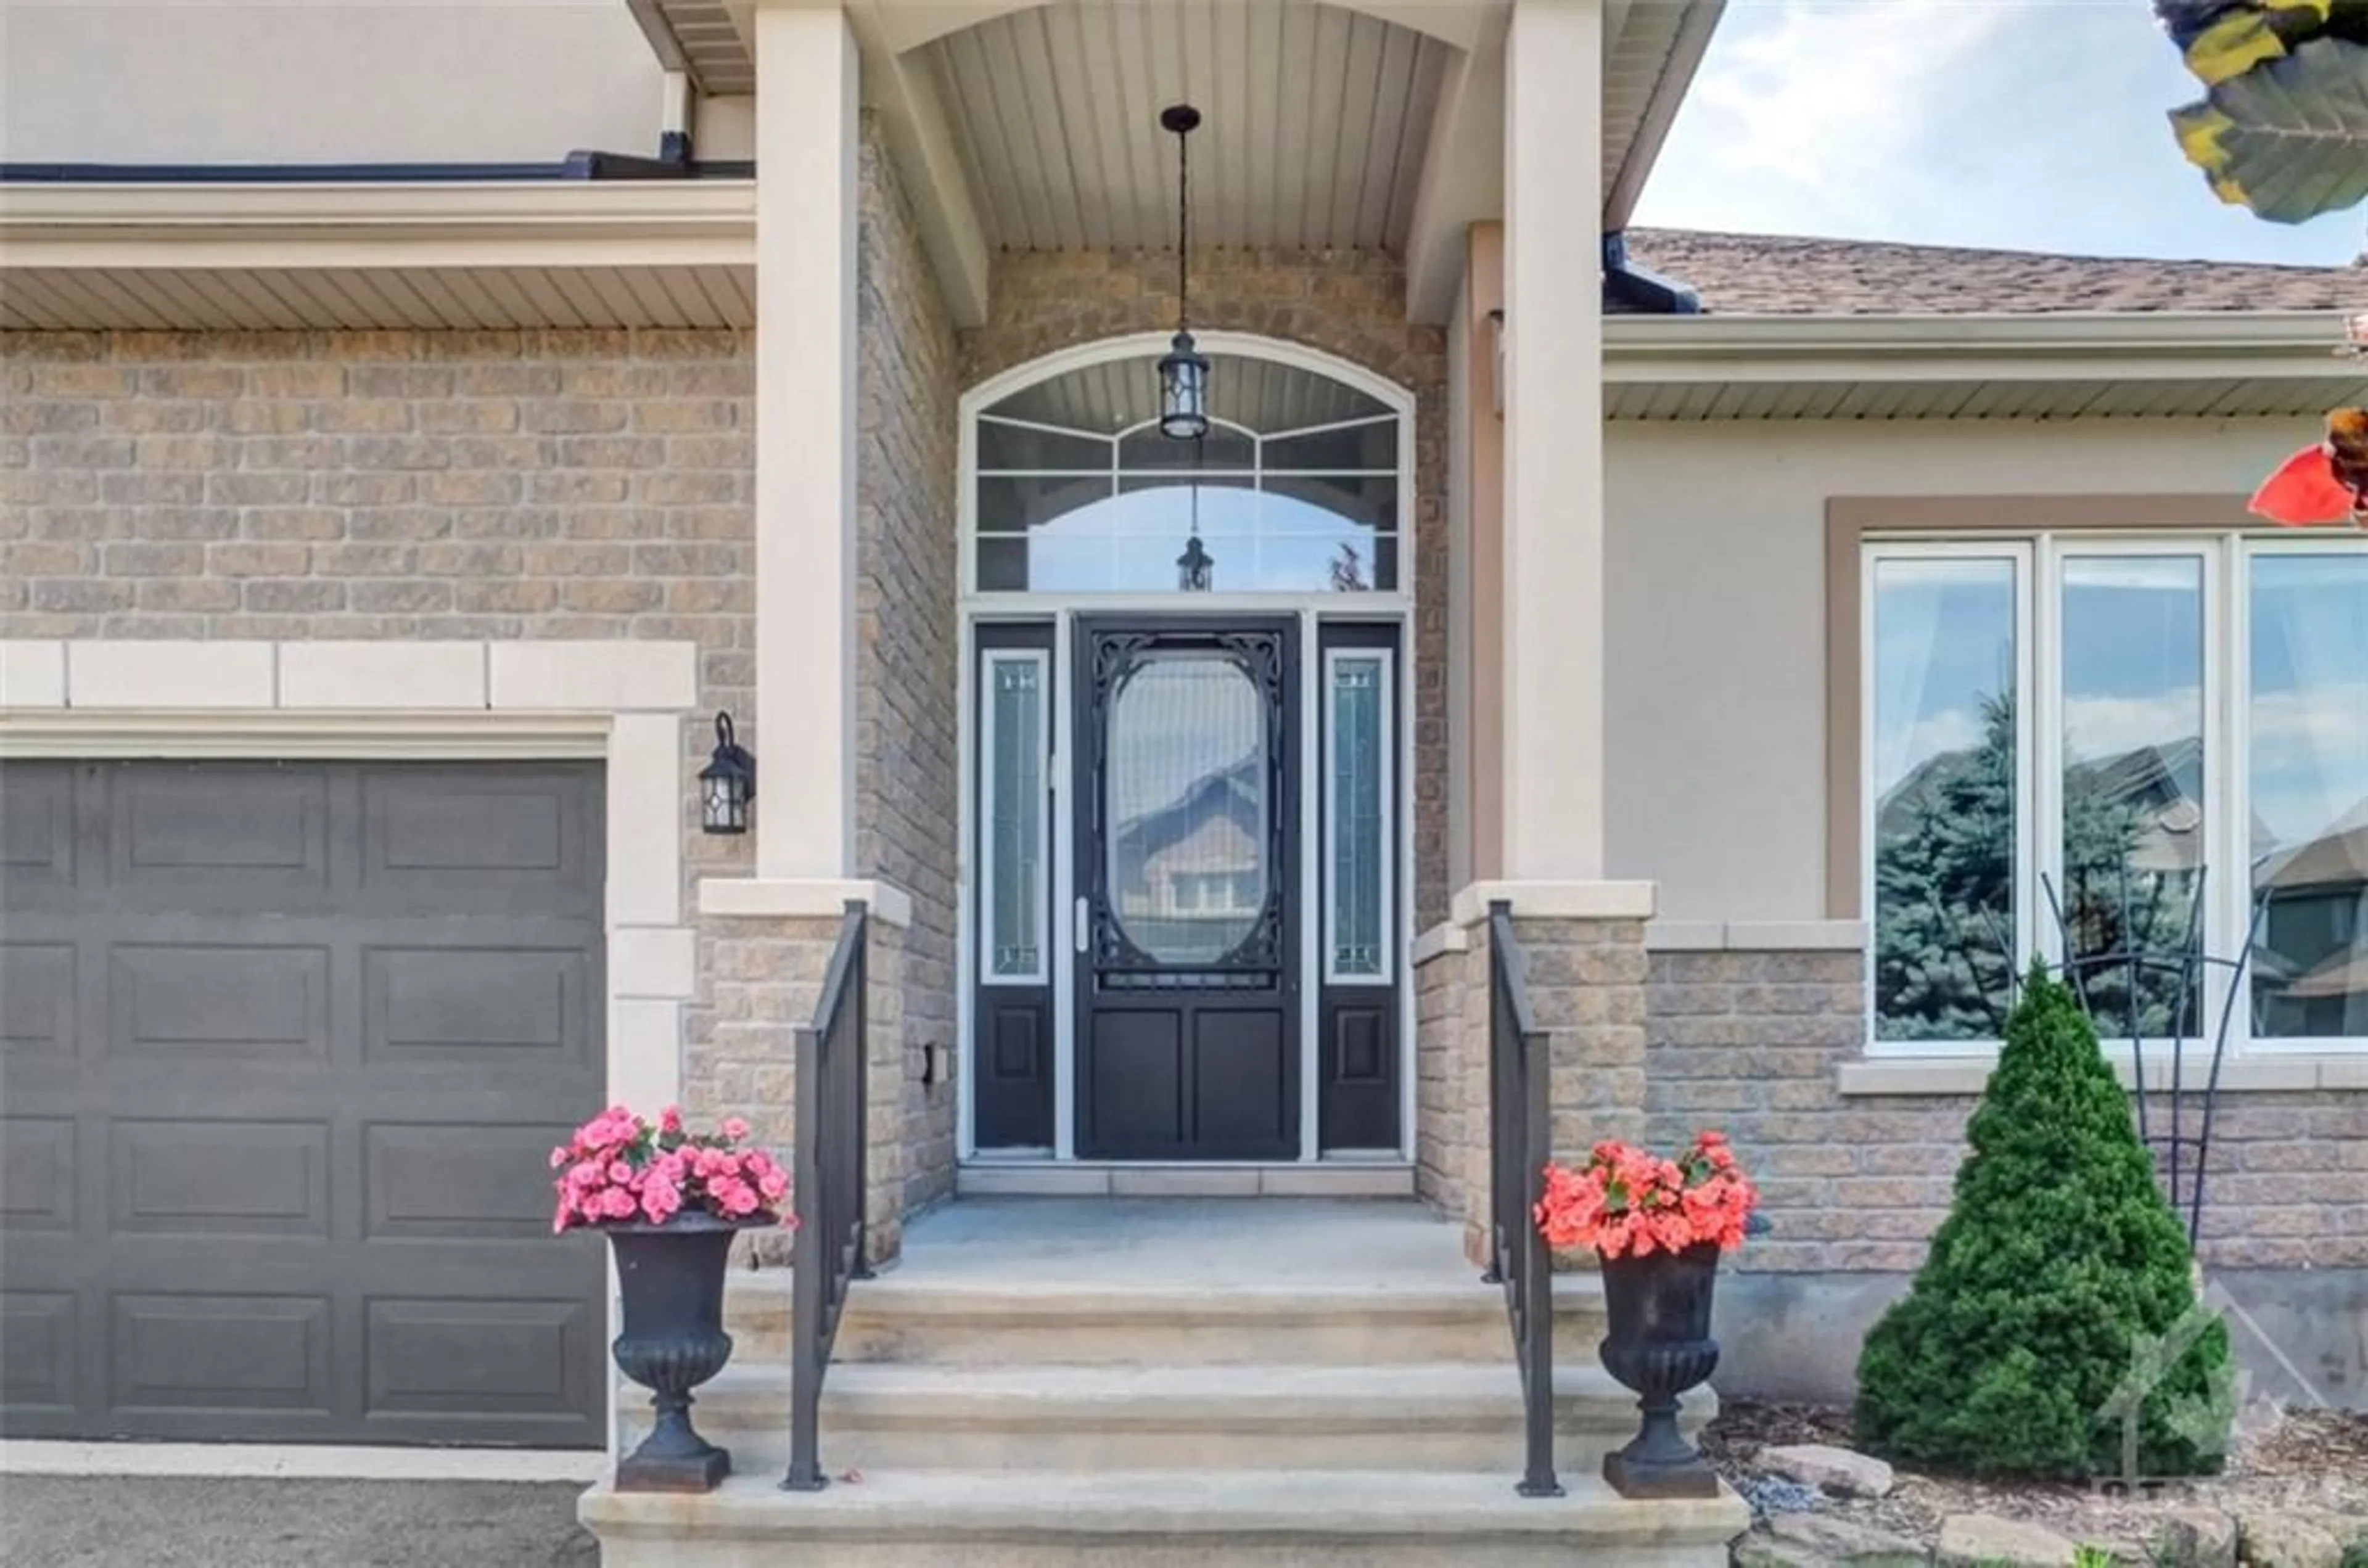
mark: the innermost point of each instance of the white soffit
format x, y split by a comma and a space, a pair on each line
1651, 50
2165, 365
1315, 123
429, 256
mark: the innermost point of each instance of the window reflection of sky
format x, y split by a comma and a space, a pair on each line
1944, 645
1261, 541
2309, 709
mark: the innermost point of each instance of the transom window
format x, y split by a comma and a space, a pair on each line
2091, 748
1295, 489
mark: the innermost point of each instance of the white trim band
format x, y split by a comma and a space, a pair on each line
783, 898
1556, 900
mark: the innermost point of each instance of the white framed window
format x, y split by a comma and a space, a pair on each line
1300, 486
1358, 702
1015, 865
2089, 748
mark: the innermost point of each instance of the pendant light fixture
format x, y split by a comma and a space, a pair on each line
1183, 373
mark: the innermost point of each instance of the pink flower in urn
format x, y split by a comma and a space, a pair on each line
661, 1200
620, 1167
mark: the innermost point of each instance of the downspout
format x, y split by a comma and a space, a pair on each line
1641, 292
675, 110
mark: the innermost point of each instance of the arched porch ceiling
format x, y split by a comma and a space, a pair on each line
1317, 121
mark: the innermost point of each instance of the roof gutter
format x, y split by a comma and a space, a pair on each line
2070, 346
579, 165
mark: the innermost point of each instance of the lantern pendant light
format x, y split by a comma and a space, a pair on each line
1183, 373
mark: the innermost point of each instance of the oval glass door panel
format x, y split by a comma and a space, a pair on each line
1188, 808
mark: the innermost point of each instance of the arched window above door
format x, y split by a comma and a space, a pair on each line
1298, 488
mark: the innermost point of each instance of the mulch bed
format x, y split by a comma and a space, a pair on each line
2315, 1459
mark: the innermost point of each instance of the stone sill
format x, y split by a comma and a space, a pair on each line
2258, 1074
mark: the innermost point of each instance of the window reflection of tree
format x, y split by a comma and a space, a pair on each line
1946, 945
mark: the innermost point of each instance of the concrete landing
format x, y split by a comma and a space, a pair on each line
1143, 1242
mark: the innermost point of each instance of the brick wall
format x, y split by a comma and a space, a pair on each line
505, 485
1586, 982
1752, 1043
1348, 304
365, 485
907, 765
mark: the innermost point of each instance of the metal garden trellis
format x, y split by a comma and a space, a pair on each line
2182, 1158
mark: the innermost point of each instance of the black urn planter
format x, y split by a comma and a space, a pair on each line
670, 1282
1659, 1345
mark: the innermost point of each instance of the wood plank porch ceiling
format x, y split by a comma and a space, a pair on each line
1317, 120
1320, 116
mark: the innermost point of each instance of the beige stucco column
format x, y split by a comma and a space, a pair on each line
808, 142
806, 409
1551, 614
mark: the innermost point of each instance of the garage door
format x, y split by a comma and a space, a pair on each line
283, 1052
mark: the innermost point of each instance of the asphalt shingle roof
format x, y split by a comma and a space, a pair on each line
1773, 275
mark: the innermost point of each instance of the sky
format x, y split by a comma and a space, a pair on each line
2015, 124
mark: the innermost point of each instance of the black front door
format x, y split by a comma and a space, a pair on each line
1188, 875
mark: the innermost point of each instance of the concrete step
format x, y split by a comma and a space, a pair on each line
1051, 1518
1003, 1322
883, 1417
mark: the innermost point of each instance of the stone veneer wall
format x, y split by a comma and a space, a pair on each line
1350, 303
907, 690
1753, 1042
387, 485
1585, 984
575, 485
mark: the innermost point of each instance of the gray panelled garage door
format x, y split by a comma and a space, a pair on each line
283, 1052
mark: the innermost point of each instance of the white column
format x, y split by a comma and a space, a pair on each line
1552, 612
806, 152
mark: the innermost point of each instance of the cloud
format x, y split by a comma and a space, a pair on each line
2031, 124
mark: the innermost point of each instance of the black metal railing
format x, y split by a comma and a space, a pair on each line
1520, 1141
828, 1197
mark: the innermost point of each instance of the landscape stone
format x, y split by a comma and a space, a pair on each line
2194, 1538
1821, 1540
2286, 1538
1839, 1470
1985, 1541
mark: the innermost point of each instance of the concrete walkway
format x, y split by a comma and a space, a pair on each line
154, 1522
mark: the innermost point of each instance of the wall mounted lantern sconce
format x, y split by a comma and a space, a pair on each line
727, 784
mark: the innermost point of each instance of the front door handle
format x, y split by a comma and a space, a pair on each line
1077, 927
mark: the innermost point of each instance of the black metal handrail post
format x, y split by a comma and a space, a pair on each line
832, 1056
1520, 1141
